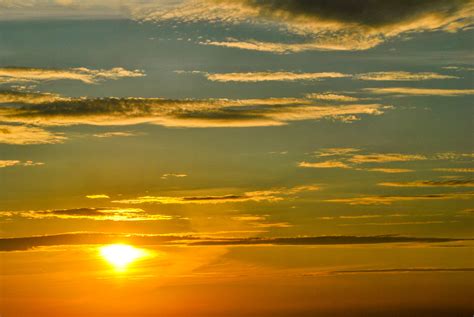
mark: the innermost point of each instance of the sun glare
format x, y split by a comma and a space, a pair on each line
121, 255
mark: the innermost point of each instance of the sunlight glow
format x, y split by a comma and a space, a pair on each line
120, 255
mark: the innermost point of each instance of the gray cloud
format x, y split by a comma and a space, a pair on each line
26, 243
328, 24
181, 112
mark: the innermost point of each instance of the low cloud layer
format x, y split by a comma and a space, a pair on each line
27, 243
201, 113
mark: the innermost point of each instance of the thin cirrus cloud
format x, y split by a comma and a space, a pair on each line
98, 196
201, 113
270, 76
445, 183
455, 170
101, 214
327, 25
408, 91
173, 175
116, 134
28, 243
348, 158
27, 135
265, 76
83, 74
388, 200
402, 76
271, 195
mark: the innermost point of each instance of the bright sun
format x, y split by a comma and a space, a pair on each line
120, 255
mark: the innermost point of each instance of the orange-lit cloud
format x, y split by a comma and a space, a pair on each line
271, 195
408, 91
85, 75
100, 214
10, 163
444, 183
23, 135
402, 76
387, 200
334, 25
202, 113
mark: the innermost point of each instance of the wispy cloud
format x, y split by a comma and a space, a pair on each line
402, 76
98, 196
332, 97
85, 75
23, 135
10, 163
407, 91
455, 170
326, 164
444, 183
385, 157
390, 170
173, 175
271, 195
387, 200
270, 76
100, 214
116, 134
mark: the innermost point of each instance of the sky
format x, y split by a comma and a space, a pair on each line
262, 157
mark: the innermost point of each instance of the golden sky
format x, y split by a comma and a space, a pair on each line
236, 158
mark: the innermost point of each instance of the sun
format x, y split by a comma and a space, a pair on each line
121, 255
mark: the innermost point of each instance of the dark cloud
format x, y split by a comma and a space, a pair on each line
26, 243
372, 13
175, 112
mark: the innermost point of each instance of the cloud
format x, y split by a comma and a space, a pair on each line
270, 76
387, 200
389, 170
271, 195
395, 271
175, 175
402, 76
406, 223
385, 157
99, 196
346, 157
85, 75
327, 164
7, 96
327, 25
23, 135
10, 163
203, 113
455, 170
115, 134
445, 183
332, 97
27, 243
100, 214
407, 91
336, 152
